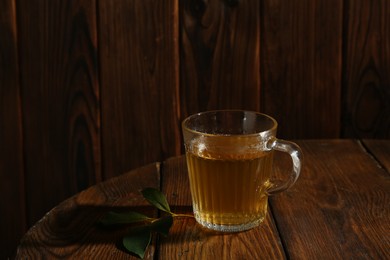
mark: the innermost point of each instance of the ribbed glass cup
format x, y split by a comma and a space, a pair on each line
229, 158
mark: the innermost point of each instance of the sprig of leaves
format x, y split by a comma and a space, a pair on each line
139, 237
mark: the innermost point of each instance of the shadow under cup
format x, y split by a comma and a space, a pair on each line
229, 158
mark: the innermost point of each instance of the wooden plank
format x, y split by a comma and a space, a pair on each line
367, 66
380, 149
12, 200
177, 192
69, 231
301, 51
138, 45
60, 98
220, 55
338, 209
189, 240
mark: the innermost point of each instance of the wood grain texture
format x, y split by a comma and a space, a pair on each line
380, 149
91, 89
13, 218
69, 231
338, 206
367, 69
336, 210
139, 75
177, 192
220, 55
189, 240
301, 43
60, 99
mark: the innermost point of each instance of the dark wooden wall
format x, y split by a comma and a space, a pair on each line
91, 89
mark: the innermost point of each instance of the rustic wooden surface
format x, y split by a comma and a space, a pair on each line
337, 209
69, 231
60, 101
380, 149
340, 204
139, 78
220, 55
13, 215
367, 66
91, 89
304, 85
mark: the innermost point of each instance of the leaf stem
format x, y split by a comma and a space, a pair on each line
181, 215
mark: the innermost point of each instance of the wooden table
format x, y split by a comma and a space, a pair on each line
338, 209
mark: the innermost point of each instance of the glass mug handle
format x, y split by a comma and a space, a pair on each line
296, 156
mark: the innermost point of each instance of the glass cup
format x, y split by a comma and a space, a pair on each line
229, 158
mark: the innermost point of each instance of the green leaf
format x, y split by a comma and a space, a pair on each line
113, 218
138, 240
156, 198
162, 225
